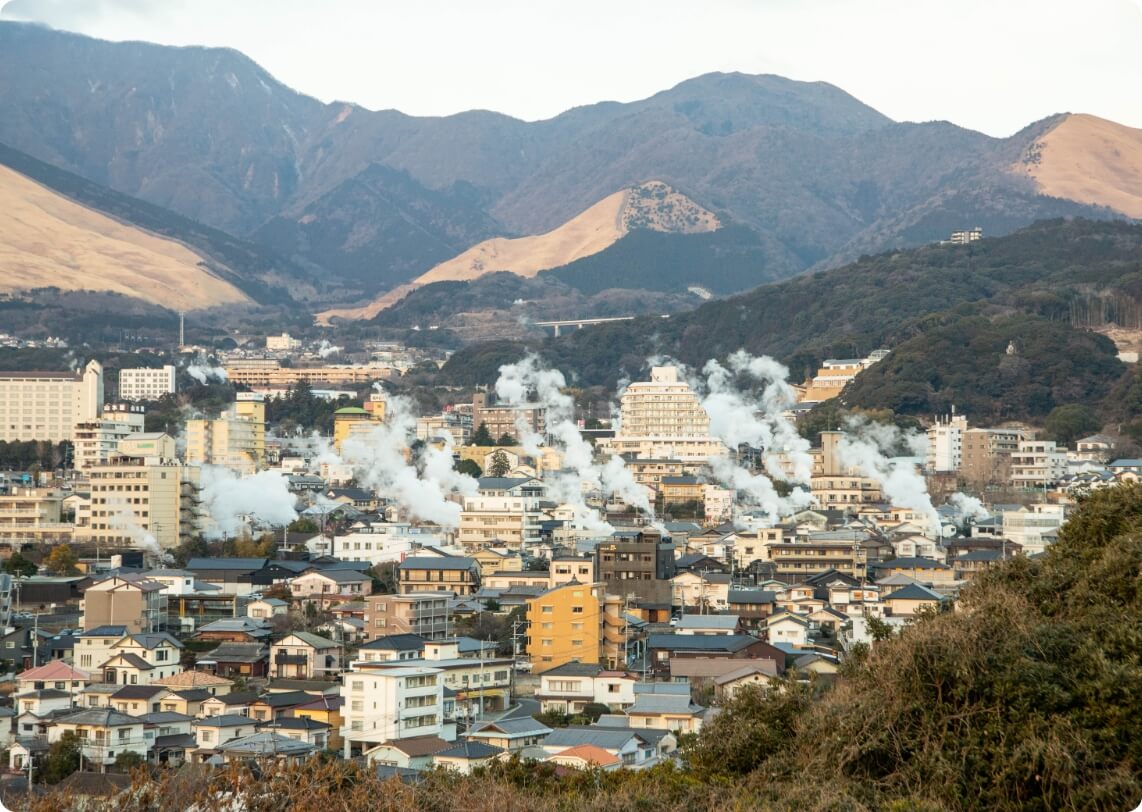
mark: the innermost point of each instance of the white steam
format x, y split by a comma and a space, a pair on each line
967, 507
236, 504
204, 370
327, 349
871, 448
124, 519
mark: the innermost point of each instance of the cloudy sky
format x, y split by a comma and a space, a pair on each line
993, 65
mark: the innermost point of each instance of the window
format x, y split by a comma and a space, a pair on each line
207, 735
576, 610
547, 610
357, 705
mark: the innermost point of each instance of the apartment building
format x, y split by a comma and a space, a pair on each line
269, 372
421, 613
835, 374
945, 443
97, 440
1033, 526
385, 703
637, 564
986, 455
663, 419
434, 574
33, 515
849, 551
134, 602
502, 419
565, 624
564, 569
504, 512
1037, 464
354, 422
45, 406
235, 439
142, 492
146, 384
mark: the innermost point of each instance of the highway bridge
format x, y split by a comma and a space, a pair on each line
579, 324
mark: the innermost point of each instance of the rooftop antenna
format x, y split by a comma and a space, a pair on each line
181, 328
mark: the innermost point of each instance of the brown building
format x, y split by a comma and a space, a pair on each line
125, 600
502, 420
638, 565
986, 455
420, 613
435, 574
847, 551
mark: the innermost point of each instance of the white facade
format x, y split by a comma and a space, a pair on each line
945, 443
1027, 526
96, 441
662, 418
47, 405
1037, 464
146, 384
383, 703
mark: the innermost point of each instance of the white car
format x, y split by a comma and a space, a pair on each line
523, 665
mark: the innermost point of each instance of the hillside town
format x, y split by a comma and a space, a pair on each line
494, 580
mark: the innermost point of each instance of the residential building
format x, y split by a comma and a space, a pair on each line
104, 734
637, 564
343, 584
912, 600
986, 455
507, 419
235, 439
847, 550
33, 515
466, 756
632, 748
570, 687
565, 624
132, 601
46, 406
701, 591
1037, 464
1095, 448
141, 659
138, 383
945, 443
663, 418
564, 569
302, 655
419, 613
236, 660
141, 492
434, 574
97, 440
835, 374
383, 703
665, 706
1028, 526
356, 423
662, 649
504, 512
509, 735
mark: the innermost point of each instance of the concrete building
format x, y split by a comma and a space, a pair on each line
355, 422
945, 443
986, 455
132, 601
269, 373
33, 515
637, 564
434, 574
663, 418
504, 512
501, 420
141, 492
835, 374
235, 439
1037, 464
146, 384
1027, 526
421, 613
575, 622
46, 406
283, 343
385, 703
97, 440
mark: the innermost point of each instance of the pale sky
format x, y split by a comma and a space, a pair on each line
992, 65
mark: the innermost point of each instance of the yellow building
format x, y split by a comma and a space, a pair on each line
565, 624
270, 372
33, 515
235, 439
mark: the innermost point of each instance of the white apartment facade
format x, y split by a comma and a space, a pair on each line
504, 512
945, 443
141, 383
1037, 464
97, 440
46, 406
382, 703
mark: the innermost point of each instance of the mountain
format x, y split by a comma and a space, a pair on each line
118, 239
1074, 275
370, 200
1088, 159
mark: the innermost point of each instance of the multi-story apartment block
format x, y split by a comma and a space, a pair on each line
46, 406
141, 492
269, 372
33, 515
501, 420
1028, 526
565, 569
134, 602
945, 443
504, 512
1037, 464
146, 384
97, 440
565, 624
354, 422
847, 551
835, 374
986, 455
235, 439
383, 702
434, 574
663, 418
637, 564
422, 613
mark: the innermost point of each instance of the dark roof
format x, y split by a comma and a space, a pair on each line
236, 653
175, 741
915, 592
159, 717
980, 555
432, 563
908, 563
105, 631
138, 691
574, 669
132, 659
226, 563
285, 699
224, 720
298, 723
238, 697
95, 785
700, 642
340, 576
194, 694
751, 596
418, 745
396, 642
470, 750
99, 716
501, 483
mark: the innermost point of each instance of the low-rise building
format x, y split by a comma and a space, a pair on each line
302, 655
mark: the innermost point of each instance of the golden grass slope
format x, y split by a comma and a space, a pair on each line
653, 205
1089, 160
47, 240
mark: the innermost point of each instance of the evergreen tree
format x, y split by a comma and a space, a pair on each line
500, 464
481, 436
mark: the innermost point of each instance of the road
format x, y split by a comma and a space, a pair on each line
521, 706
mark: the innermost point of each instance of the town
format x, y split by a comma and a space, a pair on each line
502, 578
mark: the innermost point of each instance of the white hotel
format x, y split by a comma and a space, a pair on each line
47, 405
146, 384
